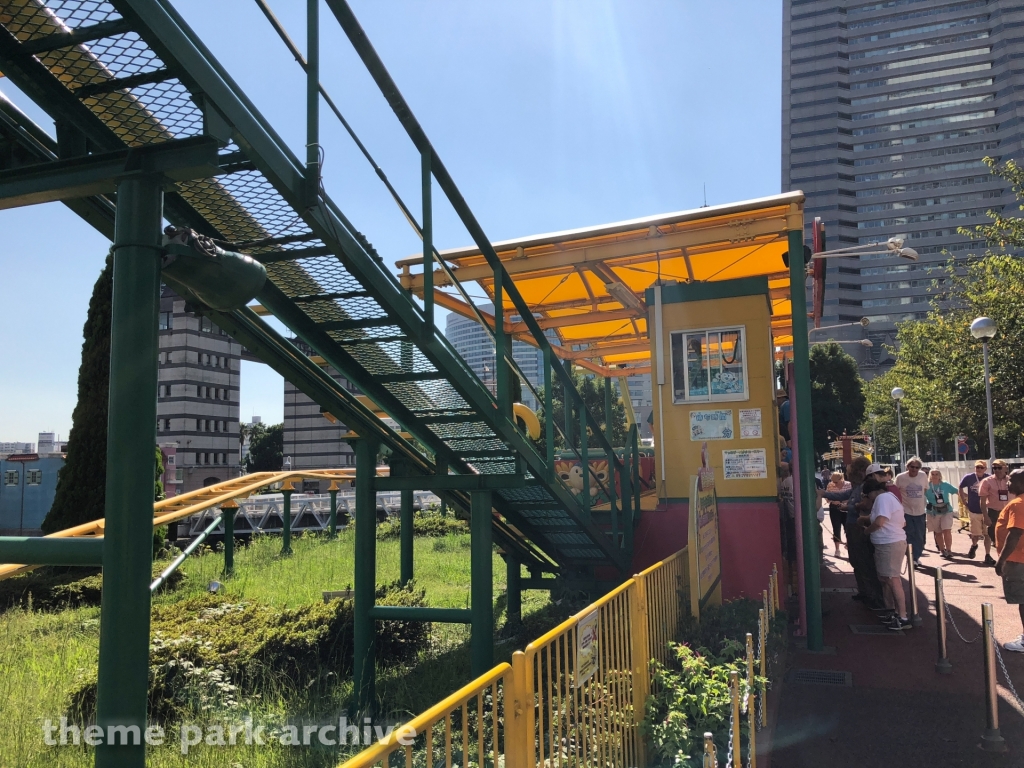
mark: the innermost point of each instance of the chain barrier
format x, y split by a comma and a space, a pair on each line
1002, 666
760, 697
952, 621
732, 716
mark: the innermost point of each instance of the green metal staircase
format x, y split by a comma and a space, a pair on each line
124, 77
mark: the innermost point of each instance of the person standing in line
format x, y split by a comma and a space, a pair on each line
912, 485
968, 493
1009, 530
836, 513
938, 498
858, 545
993, 494
890, 541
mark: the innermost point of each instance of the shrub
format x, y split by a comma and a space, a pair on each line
691, 693
57, 588
208, 652
429, 525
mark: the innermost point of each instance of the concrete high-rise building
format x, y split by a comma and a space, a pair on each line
474, 344
888, 108
311, 440
197, 405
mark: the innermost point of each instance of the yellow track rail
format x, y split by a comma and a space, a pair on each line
187, 504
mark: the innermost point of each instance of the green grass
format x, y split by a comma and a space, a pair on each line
44, 654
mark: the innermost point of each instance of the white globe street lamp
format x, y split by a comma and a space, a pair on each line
897, 395
874, 440
984, 329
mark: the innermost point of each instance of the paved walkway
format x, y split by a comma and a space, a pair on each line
898, 710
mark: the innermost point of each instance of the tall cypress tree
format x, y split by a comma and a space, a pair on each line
81, 484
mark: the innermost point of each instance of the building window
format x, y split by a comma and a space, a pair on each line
179, 474
166, 321
709, 365
205, 325
34, 477
206, 359
11, 477
167, 426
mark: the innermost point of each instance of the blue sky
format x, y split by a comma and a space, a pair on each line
549, 115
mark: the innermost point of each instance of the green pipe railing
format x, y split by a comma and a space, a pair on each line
46, 550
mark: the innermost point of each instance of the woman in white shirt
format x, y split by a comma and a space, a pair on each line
887, 533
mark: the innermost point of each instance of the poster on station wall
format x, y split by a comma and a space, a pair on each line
750, 424
705, 561
745, 464
711, 425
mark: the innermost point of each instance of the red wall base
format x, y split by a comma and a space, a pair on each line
749, 540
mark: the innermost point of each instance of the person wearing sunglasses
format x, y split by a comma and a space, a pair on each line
912, 485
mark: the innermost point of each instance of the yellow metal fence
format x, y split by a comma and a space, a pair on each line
573, 697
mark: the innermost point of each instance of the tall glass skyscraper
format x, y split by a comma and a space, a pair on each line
888, 108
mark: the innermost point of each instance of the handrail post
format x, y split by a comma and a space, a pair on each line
428, 241
775, 588
942, 666
991, 739
585, 460
228, 511
570, 441
549, 415
517, 735
312, 178
641, 653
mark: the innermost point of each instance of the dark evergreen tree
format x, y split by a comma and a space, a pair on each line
837, 394
81, 484
266, 448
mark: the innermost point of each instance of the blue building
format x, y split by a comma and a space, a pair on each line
28, 483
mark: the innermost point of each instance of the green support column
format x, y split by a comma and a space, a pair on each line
122, 689
482, 578
332, 525
364, 663
228, 511
612, 506
286, 515
585, 461
406, 534
808, 497
514, 591
549, 416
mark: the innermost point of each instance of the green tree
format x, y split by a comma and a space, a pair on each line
837, 393
81, 483
591, 389
266, 448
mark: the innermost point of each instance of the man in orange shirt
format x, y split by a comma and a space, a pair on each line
1009, 531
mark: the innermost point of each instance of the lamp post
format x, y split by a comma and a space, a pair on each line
897, 395
983, 329
874, 440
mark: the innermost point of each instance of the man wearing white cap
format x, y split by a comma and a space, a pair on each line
912, 484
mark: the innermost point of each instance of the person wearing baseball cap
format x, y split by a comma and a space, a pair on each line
1009, 530
968, 493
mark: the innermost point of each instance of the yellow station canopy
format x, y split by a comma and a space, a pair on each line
586, 286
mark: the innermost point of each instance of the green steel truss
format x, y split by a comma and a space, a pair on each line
127, 76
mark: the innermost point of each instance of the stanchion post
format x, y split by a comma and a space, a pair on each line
750, 670
915, 616
991, 740
710, 759
775, 588
734, 685
767, 604
942, 666
751, 727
